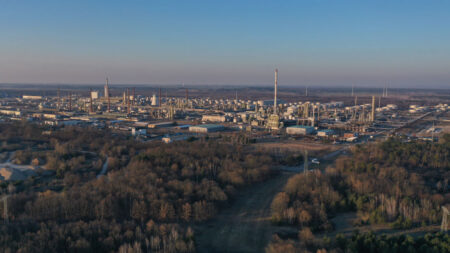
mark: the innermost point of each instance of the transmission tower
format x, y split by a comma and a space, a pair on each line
5, 208
444, 224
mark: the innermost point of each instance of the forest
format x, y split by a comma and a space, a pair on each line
396, 182
364, 242
149, 199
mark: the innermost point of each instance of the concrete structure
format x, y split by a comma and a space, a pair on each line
206, 128
299, 130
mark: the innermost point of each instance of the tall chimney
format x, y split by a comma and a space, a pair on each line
159, 97
275, 97
107, 88
373, 109
134, 95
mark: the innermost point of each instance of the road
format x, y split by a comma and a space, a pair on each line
104, 168
246, 225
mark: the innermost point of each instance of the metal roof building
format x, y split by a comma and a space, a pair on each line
300, 130
206, 128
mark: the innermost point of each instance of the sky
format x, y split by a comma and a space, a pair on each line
402, 43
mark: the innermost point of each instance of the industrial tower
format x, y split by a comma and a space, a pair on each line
275, 93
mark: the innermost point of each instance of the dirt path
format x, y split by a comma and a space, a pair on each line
344, 225
246, 225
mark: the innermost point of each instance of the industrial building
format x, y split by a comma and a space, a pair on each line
31, 97
161, 124
300, 130
325, 132
206, 128
214, 118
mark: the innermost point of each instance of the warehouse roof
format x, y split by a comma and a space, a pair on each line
209, 126
300, 126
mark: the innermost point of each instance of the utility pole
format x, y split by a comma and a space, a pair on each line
305, 162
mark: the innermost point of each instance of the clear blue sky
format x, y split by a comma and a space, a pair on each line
312, 42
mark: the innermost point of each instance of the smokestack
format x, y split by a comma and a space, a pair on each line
159, 97
373, 109
134, 95
275, 95
107, 88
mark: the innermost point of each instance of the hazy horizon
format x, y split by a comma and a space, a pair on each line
405, 44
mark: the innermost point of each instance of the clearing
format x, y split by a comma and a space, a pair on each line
246, 225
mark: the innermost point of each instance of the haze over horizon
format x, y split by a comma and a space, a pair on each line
314, 43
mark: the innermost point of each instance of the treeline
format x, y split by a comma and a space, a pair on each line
96, 236
403, 183
149, 198
366, 242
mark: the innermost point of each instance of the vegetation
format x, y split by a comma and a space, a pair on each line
150, 197
397, 182
367, 242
